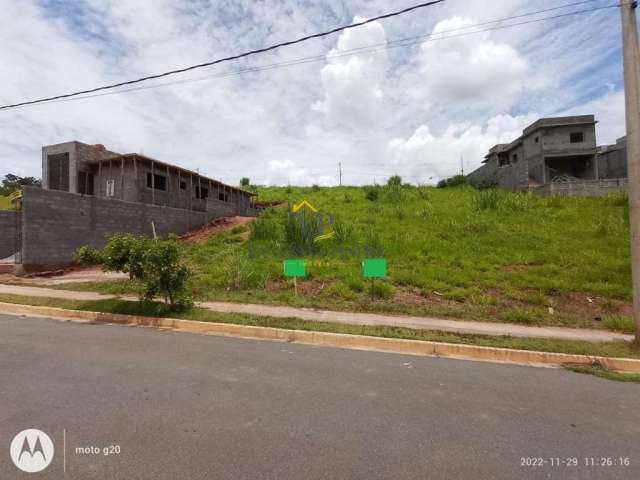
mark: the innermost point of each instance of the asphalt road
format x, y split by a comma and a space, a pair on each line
185, 406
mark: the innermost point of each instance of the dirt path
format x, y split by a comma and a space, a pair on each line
427, 323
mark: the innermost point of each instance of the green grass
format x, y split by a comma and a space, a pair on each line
5, 203
605, 349
602, 372
619, 323
449, 250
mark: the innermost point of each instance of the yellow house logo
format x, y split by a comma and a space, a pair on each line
324, 230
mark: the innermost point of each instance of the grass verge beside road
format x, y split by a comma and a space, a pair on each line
608, 349
602, 372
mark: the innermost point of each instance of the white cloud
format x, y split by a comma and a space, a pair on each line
430, 157
609, 111
413, 110
353, 93
471, 69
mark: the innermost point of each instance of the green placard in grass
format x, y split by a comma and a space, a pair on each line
374, 268
294, 268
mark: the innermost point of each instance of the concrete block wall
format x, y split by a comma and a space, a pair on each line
8, 233
55, 223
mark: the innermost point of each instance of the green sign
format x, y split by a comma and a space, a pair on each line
294, 268
374, 268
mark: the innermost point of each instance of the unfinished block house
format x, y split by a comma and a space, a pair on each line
90, 193
552, 155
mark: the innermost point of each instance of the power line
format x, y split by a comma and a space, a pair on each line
403, 42
233, 57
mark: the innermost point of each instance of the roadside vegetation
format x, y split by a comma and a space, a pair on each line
155, 309
154, 267
454, 252
600, 371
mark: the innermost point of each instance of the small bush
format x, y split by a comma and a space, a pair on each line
454, 181
380, 290
315, 187
301, 228
395, 194
164, 275
372, 193
394, 181
238, 270
88, 256
125, 253
338, 290
344, 232
519, 315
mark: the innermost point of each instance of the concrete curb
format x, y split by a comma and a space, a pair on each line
358, 342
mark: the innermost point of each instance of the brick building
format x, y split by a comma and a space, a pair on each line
90, 193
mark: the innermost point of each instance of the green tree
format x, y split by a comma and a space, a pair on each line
12, 183
394, 181
164, 275
245, 182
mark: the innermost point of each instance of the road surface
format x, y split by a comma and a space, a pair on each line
185, 406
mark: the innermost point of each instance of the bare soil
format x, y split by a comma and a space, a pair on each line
202, 234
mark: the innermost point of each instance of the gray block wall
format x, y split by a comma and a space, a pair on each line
8, 233
55, 223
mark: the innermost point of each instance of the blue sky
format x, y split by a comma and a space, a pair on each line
413, 110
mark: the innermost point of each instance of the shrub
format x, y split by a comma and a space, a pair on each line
394, 194
155, 263
452, 181
394, 181
300, 230
125, 253
380, 290
519, 315
344, 232
238, 270
315, 187
164, 275
88, 256
372, 193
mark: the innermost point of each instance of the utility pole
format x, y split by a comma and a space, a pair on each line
340, 172
461, 165
632, 112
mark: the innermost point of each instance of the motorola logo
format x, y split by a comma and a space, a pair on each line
31, 450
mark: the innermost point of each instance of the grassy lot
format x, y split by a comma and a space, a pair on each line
5, 203
608, 349
453, 252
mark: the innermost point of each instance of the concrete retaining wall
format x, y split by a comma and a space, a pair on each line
55, 223
587, 188
8, 233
